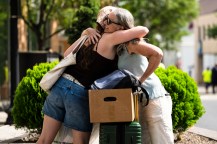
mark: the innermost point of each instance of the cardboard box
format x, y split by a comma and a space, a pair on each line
111, 105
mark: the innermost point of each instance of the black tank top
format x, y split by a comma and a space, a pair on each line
99, 67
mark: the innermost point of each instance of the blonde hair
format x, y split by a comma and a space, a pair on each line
124, 17
103, 12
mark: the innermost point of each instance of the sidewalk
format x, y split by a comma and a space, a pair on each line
204, 132
201, 131
8, 134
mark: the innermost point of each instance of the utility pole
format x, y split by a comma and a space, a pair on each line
14, 12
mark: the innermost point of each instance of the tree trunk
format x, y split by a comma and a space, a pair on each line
39, 38
40, 44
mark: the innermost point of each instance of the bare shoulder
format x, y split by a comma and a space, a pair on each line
106, 39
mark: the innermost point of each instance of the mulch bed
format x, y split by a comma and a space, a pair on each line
185, 138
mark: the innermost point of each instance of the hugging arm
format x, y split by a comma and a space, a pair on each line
122, 36
117, 37
93, 35
152, 52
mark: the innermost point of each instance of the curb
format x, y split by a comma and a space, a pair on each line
9, 134
204, 132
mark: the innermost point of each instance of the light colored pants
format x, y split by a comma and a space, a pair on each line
156, 121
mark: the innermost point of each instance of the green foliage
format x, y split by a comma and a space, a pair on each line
29, 98
85, 17
165, 18
212, 32
187, 106
72, 14
38, 15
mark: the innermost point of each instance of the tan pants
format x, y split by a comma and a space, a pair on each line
156, 121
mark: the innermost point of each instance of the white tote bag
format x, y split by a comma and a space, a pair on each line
64, 135
49, 79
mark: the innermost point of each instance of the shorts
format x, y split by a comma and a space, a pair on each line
68, 103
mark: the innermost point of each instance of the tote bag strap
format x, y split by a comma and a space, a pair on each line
80, 43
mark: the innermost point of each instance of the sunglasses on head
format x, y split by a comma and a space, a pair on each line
109, 21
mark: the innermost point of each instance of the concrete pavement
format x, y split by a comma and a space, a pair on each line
204, 132
208, 120
9, 134
206, 125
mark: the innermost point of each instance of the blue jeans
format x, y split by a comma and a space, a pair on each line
68, 103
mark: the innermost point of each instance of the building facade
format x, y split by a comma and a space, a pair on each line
205, 47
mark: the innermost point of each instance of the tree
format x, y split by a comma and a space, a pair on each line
166, 19
37, 15
85, 17
212, 32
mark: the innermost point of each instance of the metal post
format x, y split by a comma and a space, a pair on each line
13, 54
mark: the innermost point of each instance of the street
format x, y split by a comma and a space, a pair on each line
208, 120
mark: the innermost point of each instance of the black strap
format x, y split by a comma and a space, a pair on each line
96, 45
146, 95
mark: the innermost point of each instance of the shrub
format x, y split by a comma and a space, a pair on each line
187, 106
29, 98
